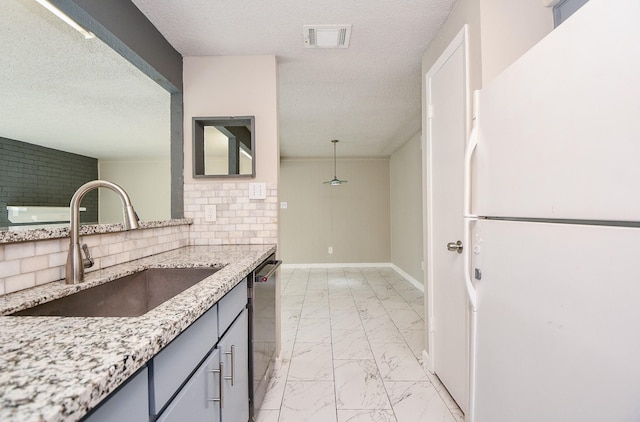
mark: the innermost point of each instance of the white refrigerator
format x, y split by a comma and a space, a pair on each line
552, 214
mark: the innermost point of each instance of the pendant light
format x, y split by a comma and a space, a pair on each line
335, 181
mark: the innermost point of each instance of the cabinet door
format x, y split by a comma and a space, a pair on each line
234, 356
174, 363
129, 403
199, 399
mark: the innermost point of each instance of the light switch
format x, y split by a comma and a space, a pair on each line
257, 191
284, 205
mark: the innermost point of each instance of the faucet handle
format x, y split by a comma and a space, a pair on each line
87, 263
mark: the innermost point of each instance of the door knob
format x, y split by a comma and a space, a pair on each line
455, 246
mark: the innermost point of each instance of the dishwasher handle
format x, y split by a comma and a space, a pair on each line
267, 270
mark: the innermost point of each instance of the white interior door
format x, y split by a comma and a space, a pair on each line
446, 86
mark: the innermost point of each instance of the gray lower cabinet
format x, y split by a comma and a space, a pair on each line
199, 399
129, 403
219, 389
234, 358
173, 365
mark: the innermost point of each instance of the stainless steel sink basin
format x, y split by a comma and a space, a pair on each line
128, 296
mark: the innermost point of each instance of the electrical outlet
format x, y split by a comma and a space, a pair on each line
330, 250
210, 213
257, 191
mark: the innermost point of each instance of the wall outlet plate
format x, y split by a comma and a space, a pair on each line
210, 213
257, 191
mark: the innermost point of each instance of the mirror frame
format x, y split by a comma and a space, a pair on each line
198, 155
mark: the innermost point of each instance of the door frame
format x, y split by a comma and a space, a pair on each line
460, 40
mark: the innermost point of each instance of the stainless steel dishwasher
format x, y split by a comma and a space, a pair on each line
262, 330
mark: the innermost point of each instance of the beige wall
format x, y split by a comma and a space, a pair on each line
406, 208
464, 12
233, 86
500, 31
509, 29
352, 218
148, 184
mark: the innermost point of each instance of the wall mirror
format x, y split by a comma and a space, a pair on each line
224, 147
70, 102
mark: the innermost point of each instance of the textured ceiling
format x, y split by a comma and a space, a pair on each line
367, 96
64, 92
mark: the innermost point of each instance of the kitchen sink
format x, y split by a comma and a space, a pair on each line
129, 296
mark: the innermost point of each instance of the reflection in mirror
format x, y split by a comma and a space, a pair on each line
74, 110
223, 146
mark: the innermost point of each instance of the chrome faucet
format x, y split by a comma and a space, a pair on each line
75, 263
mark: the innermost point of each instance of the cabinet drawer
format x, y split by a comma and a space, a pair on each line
231, 305
176, 362
129, 403
195, 402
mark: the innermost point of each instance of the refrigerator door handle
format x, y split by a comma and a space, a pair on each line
466, 258
468, 217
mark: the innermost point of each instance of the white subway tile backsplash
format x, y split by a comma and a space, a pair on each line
19, 282
49, 275
20, 250
240, 220
40, 262
34, 263
116, 248
107, 261
9, 268
50, 246
57, 259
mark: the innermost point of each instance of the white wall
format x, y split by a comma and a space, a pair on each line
406, 208
148, 184
352, 218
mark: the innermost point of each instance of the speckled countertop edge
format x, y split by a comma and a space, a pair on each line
8, 236
56, 368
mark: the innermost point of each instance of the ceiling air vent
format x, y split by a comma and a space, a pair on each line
327, 36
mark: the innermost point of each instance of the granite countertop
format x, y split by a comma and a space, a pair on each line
58, 368
56, 232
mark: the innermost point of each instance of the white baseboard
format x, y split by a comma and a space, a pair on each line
415, 283
426, 362
340, 265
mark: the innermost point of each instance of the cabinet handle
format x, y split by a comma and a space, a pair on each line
220, 384
233, 365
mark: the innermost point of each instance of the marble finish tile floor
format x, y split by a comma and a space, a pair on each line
352, 341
